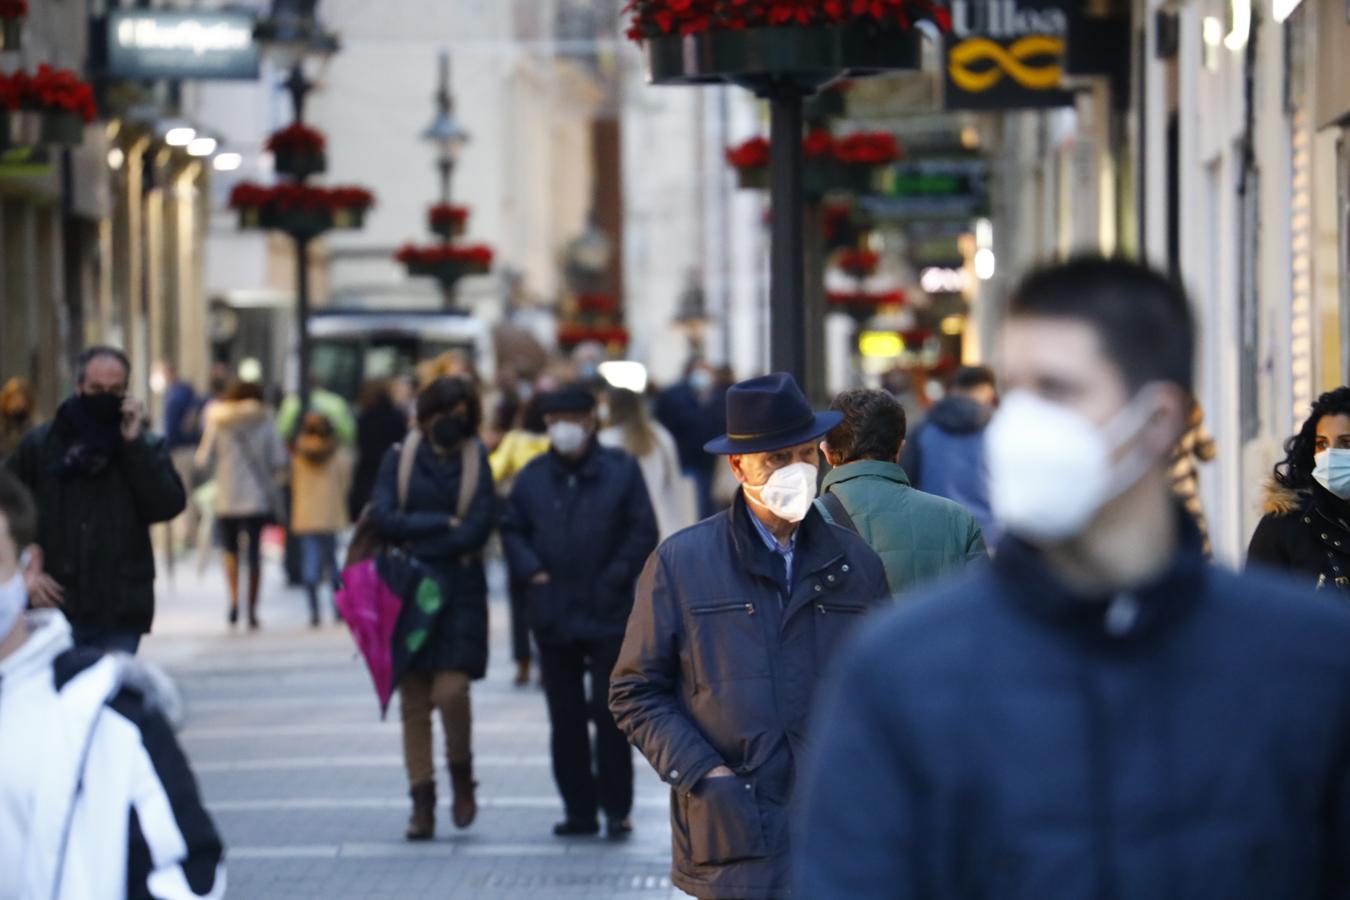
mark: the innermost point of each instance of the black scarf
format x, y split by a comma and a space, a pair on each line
91, 429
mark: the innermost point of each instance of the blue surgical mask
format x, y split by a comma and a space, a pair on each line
13, 598
1332, 471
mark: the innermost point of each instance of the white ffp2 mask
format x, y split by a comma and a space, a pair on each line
788, 493
13, 598
567, 437
1051, 469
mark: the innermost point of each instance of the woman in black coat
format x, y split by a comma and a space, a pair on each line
1306, 529
429, 528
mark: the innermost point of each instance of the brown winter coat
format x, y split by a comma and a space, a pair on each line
319, 491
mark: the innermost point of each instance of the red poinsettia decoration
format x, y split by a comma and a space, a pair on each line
819, 144
477, 255
444, 215
865, 148
13, 9
58, 90
13, 89
865, 298
298, 139
753, 154
570, 335
835, 217
300, 197
858, 263
868, 148
654, 18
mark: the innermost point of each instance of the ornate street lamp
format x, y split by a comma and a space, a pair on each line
447, 262
294, 38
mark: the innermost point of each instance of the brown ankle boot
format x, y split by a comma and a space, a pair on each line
464, 809
422, 822
522, 673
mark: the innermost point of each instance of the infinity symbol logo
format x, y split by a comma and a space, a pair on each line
1010, 61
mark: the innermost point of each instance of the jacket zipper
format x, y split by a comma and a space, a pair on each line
726, 607
824, 608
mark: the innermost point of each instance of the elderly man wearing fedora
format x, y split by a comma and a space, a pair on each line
735, 621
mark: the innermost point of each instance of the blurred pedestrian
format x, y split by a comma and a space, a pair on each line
240, 445
321, 475
736, 619
518, 447
578, 526
918, 536
101, 480
334, 408
1100, 713
693, 411
182, 433
1306, 528
380, 424
946, 454
17, 410
96, 798
629, 427
1196, 446
444, 524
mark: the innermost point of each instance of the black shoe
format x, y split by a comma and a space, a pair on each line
572, 828
618, 829
234, 616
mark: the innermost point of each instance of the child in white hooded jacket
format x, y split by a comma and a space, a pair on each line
97, 801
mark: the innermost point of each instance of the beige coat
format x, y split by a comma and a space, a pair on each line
319, 493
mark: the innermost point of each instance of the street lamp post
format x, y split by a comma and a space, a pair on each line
293, 34
450, 138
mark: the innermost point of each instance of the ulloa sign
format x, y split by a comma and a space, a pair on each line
1006, 54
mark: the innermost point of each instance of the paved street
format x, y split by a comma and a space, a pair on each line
307, 784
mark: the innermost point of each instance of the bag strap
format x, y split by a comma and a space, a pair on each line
407, 457
835, 511
469, 471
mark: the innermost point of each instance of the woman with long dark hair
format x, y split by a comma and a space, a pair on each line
1306, 529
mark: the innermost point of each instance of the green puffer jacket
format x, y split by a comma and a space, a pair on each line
918, 536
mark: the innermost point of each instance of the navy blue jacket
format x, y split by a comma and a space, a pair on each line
720, 667
1004, 738
590, 526
459, 637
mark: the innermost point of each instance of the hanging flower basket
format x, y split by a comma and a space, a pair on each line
448, 221
848, 165
349, 206
62, 128
572, 334
446, 263
12, 15
304, 224
298, 151
858, 263
804, 56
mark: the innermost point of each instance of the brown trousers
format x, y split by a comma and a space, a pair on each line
419, 694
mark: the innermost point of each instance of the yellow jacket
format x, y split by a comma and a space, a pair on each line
514, 453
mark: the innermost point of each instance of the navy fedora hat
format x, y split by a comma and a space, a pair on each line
769, 413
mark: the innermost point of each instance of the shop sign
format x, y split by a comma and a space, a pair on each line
1007, 54
152, 44
933, 188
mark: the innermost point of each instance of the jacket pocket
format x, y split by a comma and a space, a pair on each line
834, 620
542, 609
724, 822
726, 642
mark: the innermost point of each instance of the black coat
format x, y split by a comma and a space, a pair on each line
590, 526
720, 667
1003, 737
692, 420
454, 551
94, 530
1307, 535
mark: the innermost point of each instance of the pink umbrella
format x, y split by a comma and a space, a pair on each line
371, 611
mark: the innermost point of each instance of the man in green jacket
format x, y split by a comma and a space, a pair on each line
918, 536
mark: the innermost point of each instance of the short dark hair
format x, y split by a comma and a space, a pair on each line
873, 426
18, 509
100, 351
970, 377
1142, 317
444, 394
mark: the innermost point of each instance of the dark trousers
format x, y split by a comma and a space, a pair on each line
520, 622
107, 641
609, 785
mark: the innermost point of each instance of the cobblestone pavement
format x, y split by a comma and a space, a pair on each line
307, 784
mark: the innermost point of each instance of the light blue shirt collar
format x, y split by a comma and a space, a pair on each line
772, 542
